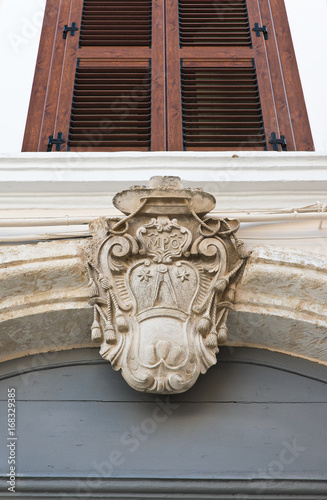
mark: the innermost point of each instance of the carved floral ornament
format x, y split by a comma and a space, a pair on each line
161, 282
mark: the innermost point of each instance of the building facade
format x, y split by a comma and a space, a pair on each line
253, 426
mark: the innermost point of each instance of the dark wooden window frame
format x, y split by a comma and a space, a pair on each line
282, 100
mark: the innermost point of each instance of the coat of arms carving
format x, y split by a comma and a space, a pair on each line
161, 282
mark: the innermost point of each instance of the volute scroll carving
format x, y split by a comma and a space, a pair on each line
161, 282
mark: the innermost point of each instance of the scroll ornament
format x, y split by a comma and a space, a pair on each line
161, 282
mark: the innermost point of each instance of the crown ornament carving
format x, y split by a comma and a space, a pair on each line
161, 282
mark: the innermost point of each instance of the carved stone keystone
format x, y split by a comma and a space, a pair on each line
161, 282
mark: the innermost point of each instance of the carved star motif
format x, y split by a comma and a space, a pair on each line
183, 275
145, 275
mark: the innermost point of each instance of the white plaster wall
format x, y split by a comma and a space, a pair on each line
308, 20
20, 27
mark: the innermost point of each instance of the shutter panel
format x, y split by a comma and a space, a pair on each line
39, 89
208, 22
41, 120
116, 23
221, 107
111, 107
109, 81
219, 34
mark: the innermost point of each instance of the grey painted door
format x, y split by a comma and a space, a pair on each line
253, 427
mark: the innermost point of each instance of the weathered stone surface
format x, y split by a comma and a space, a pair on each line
280, 301
161, 283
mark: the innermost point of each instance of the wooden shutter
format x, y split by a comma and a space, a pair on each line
166, 75
105, 82
235, 86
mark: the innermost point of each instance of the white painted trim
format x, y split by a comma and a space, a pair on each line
240, 180
48, 166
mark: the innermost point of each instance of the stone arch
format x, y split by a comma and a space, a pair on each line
280, 301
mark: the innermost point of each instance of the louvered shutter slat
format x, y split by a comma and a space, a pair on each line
219, 114
116, 23
115, 112
214, 22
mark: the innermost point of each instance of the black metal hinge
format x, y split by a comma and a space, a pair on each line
259, 30
58, 142
72, 30
278, 142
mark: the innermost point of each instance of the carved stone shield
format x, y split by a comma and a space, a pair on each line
161, 282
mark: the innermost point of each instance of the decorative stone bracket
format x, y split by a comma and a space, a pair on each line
161, 281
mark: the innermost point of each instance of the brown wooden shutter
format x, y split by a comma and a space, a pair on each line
210, 45
166, 75
107, 80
